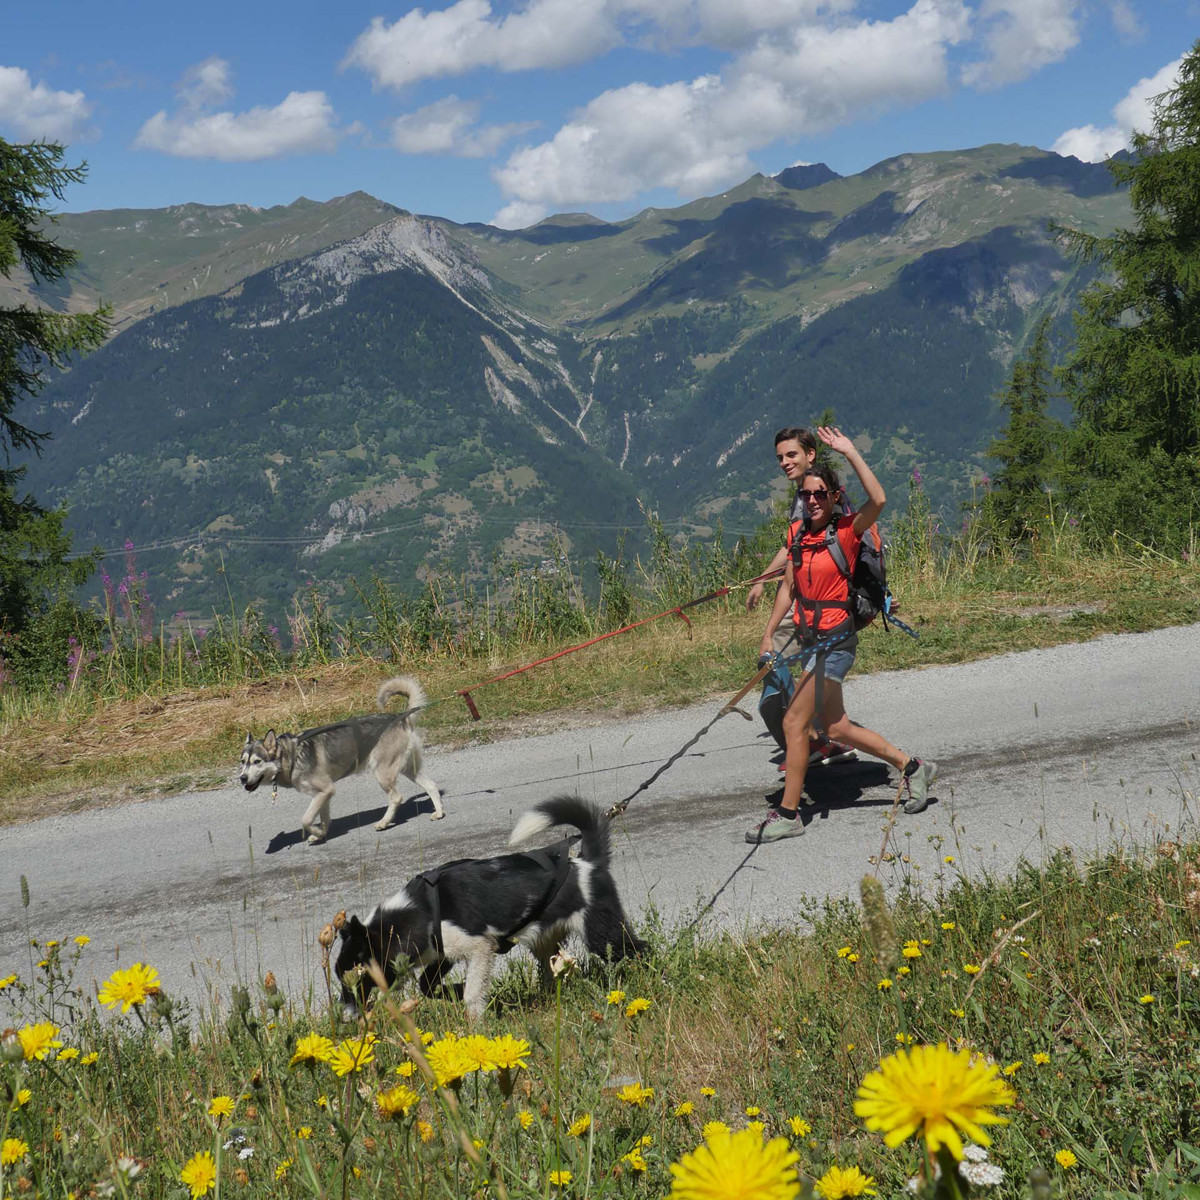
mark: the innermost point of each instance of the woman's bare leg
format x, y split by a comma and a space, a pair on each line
797, 728
839, 726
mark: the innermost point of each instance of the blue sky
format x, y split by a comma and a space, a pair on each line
484, 111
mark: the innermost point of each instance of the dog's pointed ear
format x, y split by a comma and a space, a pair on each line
351, 928
270, 742
249, 738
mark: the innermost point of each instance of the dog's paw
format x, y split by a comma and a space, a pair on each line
436, 816
315, 839
382, 825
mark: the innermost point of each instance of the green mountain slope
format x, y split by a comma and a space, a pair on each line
144, 260
429, 393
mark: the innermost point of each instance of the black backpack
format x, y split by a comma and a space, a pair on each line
869, 594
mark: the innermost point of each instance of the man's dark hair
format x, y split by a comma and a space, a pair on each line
796, 433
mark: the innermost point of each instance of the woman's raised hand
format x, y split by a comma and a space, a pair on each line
835, 439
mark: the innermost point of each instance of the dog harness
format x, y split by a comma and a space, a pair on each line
555, 860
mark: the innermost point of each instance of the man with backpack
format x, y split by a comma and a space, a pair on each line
828, 608
795, 451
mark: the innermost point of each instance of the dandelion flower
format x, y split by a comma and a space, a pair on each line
312, 1047
960, 1013
525, 1117
949, 926
1013, 1068
1066, 1159
845, 952
89, 1058
799, 1126
635, 1159
708, 1091
509, 1052
68, 1054
396, 1102
1146, 999
848, 1181
971, 968
425, 1131
82, 940
685, 1109
447, 1060
127, 988
904, 970
282, 1170
736, 1166
1178, 946
304, 1133
407, 1069
852, 958
1041, 1059
353, 1054
635, 1094
912, 949
884, 984
560, 1178
12, 1151
638, 1004
758, 1126
580, 1126
23, 1097
753, 1110
38, 1040
477, 1052
712, 1129
7, 982
220, 1106
616, 997
949, 860
199, 1173
935, 1091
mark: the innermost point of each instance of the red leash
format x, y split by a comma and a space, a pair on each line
677, 611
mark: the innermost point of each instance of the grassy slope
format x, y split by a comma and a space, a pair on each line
1078, 980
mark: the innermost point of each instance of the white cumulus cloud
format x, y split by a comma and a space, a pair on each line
698, 136
449, 126
1021, 37
302, 123
1135, 111
33, 110
465, 36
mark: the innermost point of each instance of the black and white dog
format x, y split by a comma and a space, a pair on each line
475, 908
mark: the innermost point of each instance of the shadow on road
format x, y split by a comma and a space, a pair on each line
339, 826
844, 785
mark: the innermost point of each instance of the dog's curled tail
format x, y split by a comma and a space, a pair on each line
401, 685
567, 810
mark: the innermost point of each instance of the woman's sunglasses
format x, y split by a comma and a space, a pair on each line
815, 494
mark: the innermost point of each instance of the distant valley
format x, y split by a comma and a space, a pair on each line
314, 391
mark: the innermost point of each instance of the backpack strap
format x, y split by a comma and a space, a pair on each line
834, 546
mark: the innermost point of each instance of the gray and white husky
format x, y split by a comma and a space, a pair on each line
313, 761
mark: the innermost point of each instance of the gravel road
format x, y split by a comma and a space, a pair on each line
1082, 745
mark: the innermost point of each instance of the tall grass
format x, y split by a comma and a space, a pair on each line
1078, 980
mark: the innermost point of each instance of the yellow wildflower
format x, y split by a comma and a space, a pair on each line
38, 1040
935, 1091
12, 1151
1066, 1159
635, 1094
353, 1054
312, 1047
68, 1054
738, 1164
282, 1170
971, 968
1013, 1068
509, 1052
82, 940
849, 1181
799, 1126
397, 1101
304, 1133
220, 1106
638, 1004
949, 926
90, 1057
23, 1097
425, 1131
712, 1129
580, 1126
708, 1091
912, 949
1041, 1058
685, 1109
1146, 999
407, 1069
635, 1159
525, 1117
616, 997
199, 1173
884, 984
130, 987
560, 1178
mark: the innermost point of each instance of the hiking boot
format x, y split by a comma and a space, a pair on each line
918, 784
827, 751
774, 828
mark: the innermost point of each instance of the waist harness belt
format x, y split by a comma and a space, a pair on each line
554, 860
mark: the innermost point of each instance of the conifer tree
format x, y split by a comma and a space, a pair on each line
1133, 376
33, 542
1025, 447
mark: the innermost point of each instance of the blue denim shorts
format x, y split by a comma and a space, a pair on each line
837, 664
